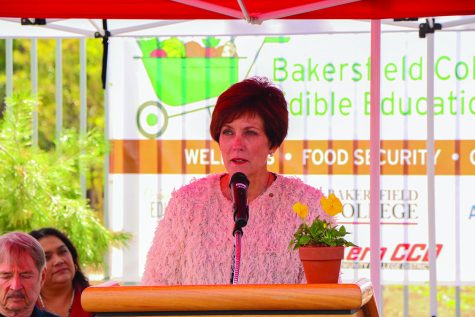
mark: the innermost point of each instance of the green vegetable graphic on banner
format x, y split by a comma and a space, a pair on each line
183, 73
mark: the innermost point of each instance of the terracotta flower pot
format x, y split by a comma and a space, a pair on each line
321, 264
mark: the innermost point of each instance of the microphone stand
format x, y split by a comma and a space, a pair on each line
238, 186
236, 256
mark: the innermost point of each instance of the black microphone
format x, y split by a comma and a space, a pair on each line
239, 185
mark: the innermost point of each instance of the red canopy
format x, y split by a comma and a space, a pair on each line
225, 9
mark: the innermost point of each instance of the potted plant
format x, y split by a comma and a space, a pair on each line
320, 242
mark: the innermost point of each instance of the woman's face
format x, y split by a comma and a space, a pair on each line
244, 146
59, 262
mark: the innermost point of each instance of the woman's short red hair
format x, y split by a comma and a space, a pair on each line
253, 96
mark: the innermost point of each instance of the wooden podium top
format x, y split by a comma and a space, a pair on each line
296, 299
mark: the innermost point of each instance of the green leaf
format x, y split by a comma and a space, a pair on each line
304, 240
211, 42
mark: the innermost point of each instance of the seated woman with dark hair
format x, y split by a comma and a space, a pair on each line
61, 292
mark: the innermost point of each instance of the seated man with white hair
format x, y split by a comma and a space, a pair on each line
22, 273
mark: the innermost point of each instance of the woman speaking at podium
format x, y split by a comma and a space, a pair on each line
194, 242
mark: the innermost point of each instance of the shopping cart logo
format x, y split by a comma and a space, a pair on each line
185, 73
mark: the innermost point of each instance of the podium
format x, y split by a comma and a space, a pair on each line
232, 300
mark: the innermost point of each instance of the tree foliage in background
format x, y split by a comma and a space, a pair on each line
41, 187
46, 49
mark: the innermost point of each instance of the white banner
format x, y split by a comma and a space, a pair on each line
162, 92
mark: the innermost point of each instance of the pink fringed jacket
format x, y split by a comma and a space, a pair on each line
193, 244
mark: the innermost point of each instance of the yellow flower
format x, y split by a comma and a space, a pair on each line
331, 205
301, 210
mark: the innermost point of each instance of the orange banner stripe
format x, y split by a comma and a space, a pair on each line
314, 157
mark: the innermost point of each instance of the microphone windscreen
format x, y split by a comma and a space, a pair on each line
239, 177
